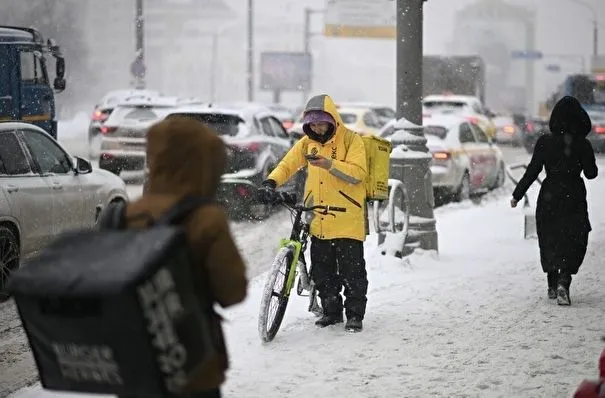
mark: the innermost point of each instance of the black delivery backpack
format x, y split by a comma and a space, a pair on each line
114, 310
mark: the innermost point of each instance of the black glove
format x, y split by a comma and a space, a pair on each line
266, 193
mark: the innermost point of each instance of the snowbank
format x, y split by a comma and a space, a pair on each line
473, 321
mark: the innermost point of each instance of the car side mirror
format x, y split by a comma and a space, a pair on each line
83, 166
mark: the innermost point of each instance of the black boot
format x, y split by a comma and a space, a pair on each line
354, 324
332, 312
552, 285
563, 289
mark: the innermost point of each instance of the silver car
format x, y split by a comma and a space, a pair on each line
44, 192
124, 134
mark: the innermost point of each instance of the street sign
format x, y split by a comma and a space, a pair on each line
285, 71
361, 18
553, 68
526, 54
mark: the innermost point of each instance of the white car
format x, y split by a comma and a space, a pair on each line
44, 192
465, 159
466, 105
124, 134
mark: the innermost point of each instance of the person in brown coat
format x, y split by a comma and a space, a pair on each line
186, 158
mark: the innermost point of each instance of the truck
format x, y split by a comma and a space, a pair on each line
25, 91
460, 75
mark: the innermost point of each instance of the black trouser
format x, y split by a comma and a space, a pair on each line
559, 277
216, 393
338, 262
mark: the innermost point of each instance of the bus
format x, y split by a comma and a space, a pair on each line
589, 89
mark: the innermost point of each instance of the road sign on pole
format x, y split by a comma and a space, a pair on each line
374, 19
526, 54
555, 68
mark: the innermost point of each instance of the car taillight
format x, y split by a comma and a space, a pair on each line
252, 147
287, 124
472, 119
108, 130
441, 155
99, 116
509, 129
599, 129
243, 191
530, 127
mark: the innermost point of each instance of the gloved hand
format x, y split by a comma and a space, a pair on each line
266, 193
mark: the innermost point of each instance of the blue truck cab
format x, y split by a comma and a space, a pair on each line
25, 91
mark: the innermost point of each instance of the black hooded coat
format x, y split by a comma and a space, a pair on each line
562, 211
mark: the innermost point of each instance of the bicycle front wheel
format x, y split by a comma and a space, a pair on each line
275, 297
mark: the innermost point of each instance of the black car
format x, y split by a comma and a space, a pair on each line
533, 128
256, 142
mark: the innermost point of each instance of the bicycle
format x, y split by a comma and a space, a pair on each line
291, 260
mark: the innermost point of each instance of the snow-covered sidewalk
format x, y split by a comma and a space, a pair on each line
474, 322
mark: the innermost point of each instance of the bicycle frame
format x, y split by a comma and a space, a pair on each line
298, 241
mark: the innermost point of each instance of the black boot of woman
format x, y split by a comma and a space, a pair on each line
564, 282
553, 279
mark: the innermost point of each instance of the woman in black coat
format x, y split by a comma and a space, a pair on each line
562, 212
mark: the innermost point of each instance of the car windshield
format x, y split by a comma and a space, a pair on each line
348, 118
597, 116
137, 114
222, 124
445, 106
436, 131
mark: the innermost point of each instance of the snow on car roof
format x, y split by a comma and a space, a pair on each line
450, 98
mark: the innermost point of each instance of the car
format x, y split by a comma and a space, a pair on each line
104, 108
469, 106
284, 114
384, 113
44, 192
256, 141
508, 131
465, 160
534, 128
123, 136
361, 120
597, 135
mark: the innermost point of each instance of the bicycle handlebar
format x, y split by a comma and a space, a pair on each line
289, 199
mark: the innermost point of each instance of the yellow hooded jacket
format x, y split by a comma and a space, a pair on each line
342, 185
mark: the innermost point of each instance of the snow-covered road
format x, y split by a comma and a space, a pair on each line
474, 322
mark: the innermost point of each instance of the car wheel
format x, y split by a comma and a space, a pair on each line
463, 192
9, 258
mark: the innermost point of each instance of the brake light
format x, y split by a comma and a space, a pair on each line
243, 191
441, 155
472, 119
252, 147
287, 124
530, 127
108, 130
509, 129
106, 156
599, 129
99, 116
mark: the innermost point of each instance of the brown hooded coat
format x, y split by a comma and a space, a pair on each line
187, 158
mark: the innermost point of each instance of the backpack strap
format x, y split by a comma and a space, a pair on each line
113, 216
181, 210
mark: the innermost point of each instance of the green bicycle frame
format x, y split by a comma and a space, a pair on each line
297, 246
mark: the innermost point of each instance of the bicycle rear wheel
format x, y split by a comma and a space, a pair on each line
275, 297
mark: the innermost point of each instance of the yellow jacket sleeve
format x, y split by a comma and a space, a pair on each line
353, 169
293, 161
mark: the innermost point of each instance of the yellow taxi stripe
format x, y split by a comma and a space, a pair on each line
36, 118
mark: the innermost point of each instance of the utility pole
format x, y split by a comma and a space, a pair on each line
307, 40
250, 71
409, 60
213, 76
595, 36
140, 46
413, 169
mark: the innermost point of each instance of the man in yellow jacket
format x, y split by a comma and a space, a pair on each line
335, 177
